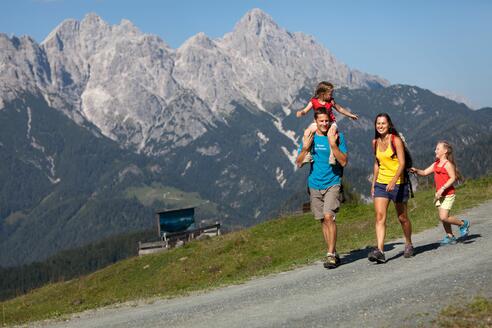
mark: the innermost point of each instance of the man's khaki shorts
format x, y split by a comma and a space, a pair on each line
325, 201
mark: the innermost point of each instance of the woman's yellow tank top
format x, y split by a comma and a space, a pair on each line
387, 165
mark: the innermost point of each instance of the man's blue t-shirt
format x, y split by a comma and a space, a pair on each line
322, 174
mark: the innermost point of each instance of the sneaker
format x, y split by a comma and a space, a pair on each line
337, 259
448, 240
465, 228
330, 262
408, 252
376, 256
332, 160
307, 159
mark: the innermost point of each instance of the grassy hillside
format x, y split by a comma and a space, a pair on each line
273, 246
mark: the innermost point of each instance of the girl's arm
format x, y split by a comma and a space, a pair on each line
305, 110
452, 178
400, 154
423, 173
344, 111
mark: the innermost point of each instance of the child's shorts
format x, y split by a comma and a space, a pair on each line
446, 203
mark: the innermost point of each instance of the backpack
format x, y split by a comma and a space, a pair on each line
408, 159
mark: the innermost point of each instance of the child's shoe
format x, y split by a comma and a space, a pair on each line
307, 159
465, 228
332, 159
448, 240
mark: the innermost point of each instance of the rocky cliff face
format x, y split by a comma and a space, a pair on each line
150, 98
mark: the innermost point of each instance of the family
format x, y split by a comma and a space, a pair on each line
324, 148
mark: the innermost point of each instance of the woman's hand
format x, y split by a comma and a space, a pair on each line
372, 191
391, 186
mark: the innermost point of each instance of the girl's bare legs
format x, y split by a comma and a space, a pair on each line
311, 129
380, 207
332, 159
447, 221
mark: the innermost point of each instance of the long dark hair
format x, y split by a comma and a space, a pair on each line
391, 127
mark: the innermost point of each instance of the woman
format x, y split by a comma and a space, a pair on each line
388, 184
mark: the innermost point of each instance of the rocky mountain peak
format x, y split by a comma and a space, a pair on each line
256, 22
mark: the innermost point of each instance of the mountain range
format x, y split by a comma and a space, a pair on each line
100, 125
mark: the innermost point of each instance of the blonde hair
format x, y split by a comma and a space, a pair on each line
450, 157
322, 88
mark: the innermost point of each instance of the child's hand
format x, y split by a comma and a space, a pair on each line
413, 170
299, 113
355, 117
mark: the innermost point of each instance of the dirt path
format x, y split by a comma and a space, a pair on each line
402, 292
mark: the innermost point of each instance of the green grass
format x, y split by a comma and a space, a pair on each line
477, 313
274, 246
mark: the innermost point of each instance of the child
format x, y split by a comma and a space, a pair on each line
323, 99
445, 174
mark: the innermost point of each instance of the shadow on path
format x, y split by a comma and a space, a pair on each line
358, 254
429, 247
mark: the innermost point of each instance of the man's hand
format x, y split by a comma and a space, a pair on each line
332, 135
307, 141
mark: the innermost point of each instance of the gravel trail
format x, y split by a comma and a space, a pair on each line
401, 293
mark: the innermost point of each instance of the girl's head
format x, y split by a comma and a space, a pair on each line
383, 125
444, 150
324, 91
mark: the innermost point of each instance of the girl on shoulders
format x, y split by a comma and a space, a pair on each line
323, 99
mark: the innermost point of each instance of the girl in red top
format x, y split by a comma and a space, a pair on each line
445, 174
323, 99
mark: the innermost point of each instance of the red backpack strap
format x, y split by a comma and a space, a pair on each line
393, 146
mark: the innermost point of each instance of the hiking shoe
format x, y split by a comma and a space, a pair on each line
376, 256
448, 240
337, 259
408, 252
332, 160
465, 228
307, 159
330, 262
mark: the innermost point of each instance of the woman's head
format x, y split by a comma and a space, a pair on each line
383, 125
324, 91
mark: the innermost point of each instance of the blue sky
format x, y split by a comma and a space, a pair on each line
442, 45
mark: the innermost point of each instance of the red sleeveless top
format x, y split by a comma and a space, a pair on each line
441, 176
328, 105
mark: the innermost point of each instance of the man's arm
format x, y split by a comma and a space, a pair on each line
305, 148
341, 157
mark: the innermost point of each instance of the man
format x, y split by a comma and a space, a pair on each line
324, 180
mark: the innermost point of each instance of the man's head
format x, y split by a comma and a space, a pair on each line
322, 121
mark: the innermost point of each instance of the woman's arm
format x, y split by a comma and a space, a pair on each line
374, 175
305, 110
400, 154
